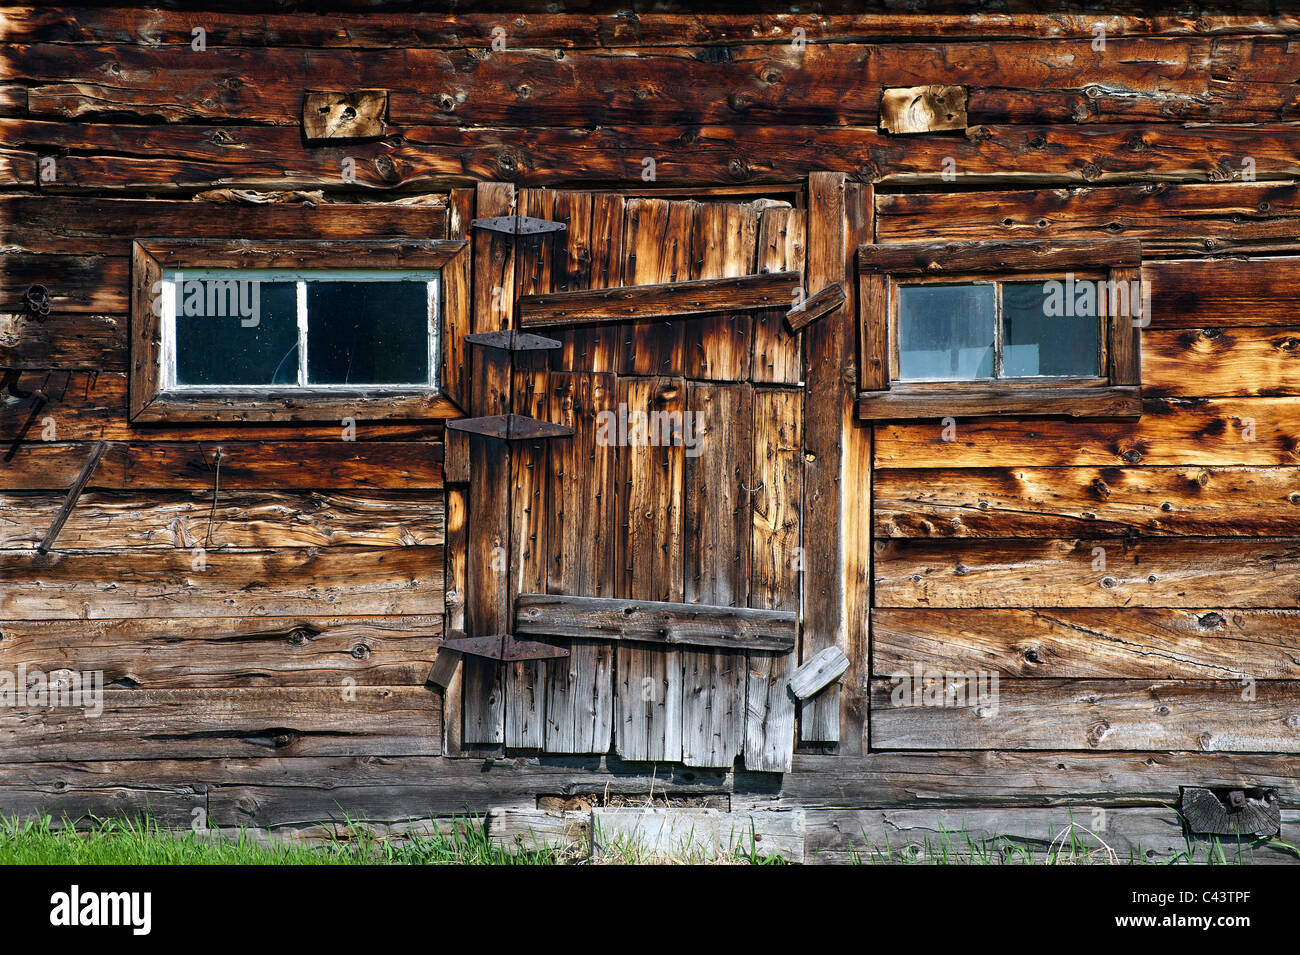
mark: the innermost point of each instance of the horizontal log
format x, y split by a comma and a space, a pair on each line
190, 653
39, 465
62, 340
1222, 432
667, 301
1061, 836
1222, 293
1155, 572
652, 621
78, 285
107, 520
352, 465
1218, 361
1009, 399
1093, 714
90, 226
154, 159
1126, 643
1026, 255
1085, 502
573, 30
100, 585
1170, 219
298, 721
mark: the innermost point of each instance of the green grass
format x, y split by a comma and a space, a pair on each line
128, 842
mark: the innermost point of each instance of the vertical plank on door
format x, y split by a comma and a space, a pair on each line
718, 542
648, 713
579, 690
571, 272
487, 599
774, 574
454, 619
525, 680
778, 356
824, 343
724, 245
656, 251
603, 344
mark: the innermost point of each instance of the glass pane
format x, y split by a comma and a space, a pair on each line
1037, 339
945, 331
368, 333
235, 332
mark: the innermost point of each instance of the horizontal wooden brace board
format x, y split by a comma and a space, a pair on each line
670, 300
654, 621
1085, 714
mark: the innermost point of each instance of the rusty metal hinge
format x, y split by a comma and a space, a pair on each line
518, 225
510, 427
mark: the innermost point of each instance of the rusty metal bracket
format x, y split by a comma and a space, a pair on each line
510, 427
36, 302
518, 225
506, 647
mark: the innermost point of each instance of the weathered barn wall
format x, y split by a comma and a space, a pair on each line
323, 561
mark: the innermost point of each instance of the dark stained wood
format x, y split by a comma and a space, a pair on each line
304, 465
1099, 402
1205, 433
1018, 256
1124, 338
667, 301
62, 339
778, 356
1221, 293
456, 573
146, 336
1154, 572
670, 623
724, 245
1123, 643
657, 237
185, 653
1098, 715
1086, 502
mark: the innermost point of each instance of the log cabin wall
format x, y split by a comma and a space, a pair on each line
265, 626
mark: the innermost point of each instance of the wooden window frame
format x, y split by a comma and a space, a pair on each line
150, 402
1116, 392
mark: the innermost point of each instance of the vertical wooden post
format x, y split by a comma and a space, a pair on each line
837, 466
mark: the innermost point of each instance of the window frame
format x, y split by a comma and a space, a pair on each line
153, 400
1115, 392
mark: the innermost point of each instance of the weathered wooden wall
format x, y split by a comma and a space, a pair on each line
231, 685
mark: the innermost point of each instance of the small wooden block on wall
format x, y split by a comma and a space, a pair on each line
923, 109
333, 114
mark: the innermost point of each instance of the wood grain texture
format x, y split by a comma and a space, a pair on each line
1213, 432
1216, 362
1152, 572
241, 519
97, 585
1086, 502
301, 721
1098, 715
657, 236
1119, 643
154, 653
778, 354
725, 245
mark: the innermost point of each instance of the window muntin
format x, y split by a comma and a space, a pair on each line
300, 330
992, 330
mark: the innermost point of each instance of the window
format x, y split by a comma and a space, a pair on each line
289, 331
1001, 328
